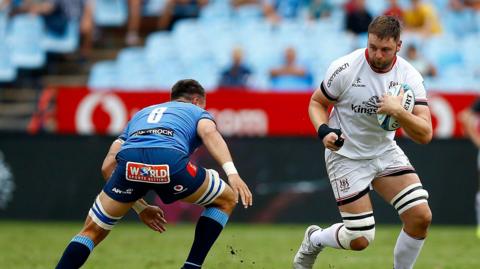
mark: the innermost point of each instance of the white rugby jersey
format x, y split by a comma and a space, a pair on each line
355, 88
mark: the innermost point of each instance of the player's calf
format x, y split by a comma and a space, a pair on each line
219, 200
96, 228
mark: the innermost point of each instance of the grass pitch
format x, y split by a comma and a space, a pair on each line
38, 245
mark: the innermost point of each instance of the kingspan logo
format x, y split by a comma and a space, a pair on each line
367, 107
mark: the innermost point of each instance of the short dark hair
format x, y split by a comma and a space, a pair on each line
187, 88
385, 27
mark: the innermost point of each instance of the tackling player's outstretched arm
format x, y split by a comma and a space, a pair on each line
318, 112
417, 125
215, 144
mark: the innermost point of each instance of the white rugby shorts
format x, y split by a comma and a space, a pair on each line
351, 179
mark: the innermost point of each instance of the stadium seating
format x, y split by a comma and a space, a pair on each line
63, 44
110, 12
201, 48
25, 40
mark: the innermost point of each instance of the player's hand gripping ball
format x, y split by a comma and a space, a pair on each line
388, 122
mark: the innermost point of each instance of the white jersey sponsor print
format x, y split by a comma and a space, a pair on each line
356, 90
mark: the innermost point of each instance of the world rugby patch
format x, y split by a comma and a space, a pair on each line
148, 173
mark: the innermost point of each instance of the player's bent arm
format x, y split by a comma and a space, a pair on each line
109, 163
418, 124
213, 141
318, 109
216, 145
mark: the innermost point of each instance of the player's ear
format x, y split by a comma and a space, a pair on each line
399, 45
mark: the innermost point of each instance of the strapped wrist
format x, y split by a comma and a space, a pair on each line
229, 168
139, 207
323, 131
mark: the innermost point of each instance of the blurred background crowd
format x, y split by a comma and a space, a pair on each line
250, 45
276, 45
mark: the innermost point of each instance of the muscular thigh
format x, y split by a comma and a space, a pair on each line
361, 205
389, 186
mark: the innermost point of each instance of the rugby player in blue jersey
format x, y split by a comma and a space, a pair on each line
153, 154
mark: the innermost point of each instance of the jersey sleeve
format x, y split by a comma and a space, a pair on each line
124, 135
417, 84
332, 86
206, 115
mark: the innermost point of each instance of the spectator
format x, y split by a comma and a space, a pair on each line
132, 38
422, 18
237, 75
394, 10
319, 9
290, 76
358, 19
421, 64
277, 10
176, 10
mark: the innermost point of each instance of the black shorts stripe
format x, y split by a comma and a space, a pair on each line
354, 198
411, 201
399, 173
324, 91
358, 217
405, 194
362, 228
421, 103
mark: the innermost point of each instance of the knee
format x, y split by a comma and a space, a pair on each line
422, 219
360, 243
358, 231
228, 202
94, 232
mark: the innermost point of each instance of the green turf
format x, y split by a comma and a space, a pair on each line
31, 245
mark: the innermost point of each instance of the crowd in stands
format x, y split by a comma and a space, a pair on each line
247, 44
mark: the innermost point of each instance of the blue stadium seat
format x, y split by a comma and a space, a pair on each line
153, 7
63, 44
166, 74
110, 12
159, 46
8, 71
103, 76
133, 70
216, 11
443, 51
25, 37
291, 84
247, 13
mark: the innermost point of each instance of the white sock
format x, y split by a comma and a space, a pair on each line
326, 237
477, 207
406, 251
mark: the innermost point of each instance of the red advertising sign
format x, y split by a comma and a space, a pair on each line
236, 113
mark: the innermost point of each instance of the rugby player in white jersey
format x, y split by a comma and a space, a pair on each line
360, 155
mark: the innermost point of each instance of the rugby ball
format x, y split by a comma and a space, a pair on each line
389, 123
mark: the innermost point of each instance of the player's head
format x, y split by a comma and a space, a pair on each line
189, 90
383, 42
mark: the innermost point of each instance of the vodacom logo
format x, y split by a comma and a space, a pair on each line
110, 103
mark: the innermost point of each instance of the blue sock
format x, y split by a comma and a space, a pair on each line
76, 253
209, 227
